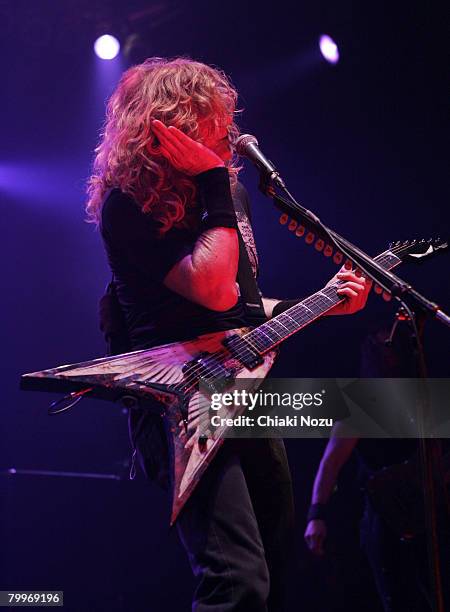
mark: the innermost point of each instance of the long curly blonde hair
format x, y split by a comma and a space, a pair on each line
179, 92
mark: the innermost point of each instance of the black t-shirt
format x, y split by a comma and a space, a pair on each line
140, 260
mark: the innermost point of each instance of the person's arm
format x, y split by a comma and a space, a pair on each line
206, 276
336, 454
354, 288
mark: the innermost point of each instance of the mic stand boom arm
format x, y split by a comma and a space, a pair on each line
430, 449
386, 279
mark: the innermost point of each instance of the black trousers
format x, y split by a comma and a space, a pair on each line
237, 529
400, 568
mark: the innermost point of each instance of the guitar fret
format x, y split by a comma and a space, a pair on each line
307, 307
278, 322
271, 333
325, 295
262, 331
270, 325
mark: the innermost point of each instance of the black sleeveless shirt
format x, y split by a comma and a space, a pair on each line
140, 260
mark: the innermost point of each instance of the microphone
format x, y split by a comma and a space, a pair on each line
247, 146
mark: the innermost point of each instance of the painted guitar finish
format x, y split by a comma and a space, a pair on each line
168, 378
152, 375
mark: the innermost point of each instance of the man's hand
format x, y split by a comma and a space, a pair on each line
315, 535
355, 288
185, 154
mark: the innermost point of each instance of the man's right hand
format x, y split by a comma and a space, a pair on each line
315, 535
185, 154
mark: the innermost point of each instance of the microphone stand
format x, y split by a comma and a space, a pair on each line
417, 307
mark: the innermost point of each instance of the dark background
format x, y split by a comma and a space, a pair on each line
364, 144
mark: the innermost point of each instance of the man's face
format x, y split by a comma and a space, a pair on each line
216, 138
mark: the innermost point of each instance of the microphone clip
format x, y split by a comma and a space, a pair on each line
265, 184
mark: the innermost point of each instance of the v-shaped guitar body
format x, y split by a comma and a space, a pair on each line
171, 376
159, 379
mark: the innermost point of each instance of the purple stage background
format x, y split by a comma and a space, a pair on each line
363, 143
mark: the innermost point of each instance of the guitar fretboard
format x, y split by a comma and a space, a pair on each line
269, 334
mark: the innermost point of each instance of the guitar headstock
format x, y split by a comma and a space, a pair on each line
408, 250
418, 250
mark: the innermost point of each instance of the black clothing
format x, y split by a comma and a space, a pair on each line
376, 453
238, 529
140, 260
237, 525
399, 567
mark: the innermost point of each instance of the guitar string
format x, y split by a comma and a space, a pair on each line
222, 355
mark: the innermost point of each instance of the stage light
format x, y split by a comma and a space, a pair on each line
329, 49
106, 47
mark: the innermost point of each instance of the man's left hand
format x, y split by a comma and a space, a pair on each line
355, 288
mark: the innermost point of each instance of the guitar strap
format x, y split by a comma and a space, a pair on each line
246, 276
112, 322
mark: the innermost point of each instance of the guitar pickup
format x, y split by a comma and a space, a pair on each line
243, 351
207, 370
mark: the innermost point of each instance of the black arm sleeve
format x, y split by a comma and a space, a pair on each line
215, 196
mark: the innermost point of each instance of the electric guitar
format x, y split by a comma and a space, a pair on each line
176, 379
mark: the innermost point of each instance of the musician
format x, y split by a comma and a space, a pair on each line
399, 565
166, 195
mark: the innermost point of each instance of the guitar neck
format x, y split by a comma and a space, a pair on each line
268, 335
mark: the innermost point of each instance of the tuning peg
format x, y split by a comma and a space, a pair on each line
319, 245
292, 225
387, 296
328, 251
284, 219
337, 258
378, 290
309, 238
300, 231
